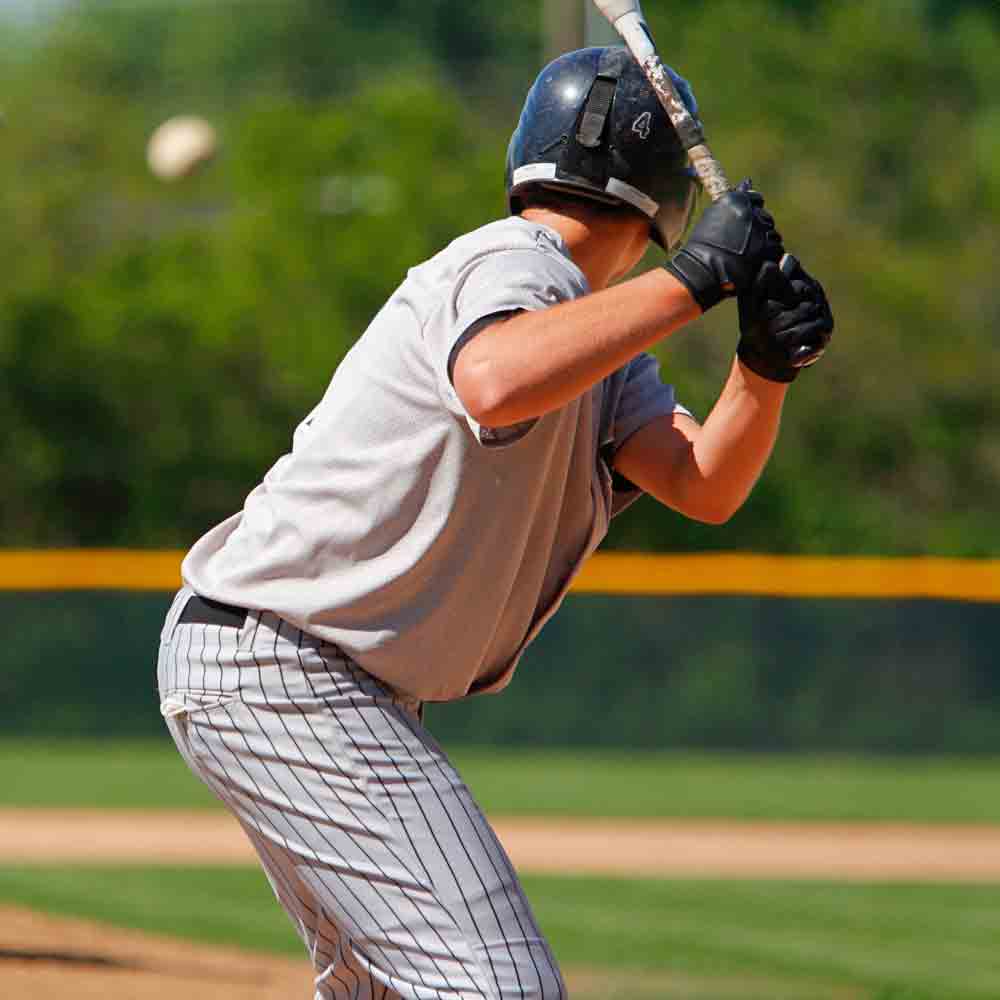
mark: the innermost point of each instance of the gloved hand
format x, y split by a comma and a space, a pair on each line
785, 321
727, 247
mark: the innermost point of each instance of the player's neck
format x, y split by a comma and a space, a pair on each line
604, 247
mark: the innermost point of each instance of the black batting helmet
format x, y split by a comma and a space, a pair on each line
593, 127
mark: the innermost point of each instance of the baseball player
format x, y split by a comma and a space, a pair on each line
432, 512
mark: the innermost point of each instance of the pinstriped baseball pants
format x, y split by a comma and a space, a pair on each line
371, 841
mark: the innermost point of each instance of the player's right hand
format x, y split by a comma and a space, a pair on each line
733, 239
785, 322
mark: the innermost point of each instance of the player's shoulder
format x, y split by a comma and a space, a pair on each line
511, 235
494, 262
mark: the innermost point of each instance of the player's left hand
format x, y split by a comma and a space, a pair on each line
785, 321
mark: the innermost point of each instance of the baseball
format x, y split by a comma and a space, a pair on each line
180, 146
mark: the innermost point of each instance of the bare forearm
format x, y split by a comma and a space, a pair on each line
733, 446
540, 361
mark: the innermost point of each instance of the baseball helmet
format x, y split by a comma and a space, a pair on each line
593, 127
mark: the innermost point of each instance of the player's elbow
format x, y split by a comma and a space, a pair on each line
709, 497
483, 396
705, 513
715, 515
707, 506
485, 393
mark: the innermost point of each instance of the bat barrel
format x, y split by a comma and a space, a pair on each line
626, 16
615, 9
636, 36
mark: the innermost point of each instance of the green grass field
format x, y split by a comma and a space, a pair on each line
622, 939
779, 940
646, 785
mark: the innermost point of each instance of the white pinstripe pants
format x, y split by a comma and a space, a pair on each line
371, 841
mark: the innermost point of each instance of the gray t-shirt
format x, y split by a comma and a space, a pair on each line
429, 549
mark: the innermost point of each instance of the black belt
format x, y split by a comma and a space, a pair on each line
202, 611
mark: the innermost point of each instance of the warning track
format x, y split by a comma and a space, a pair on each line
669, 849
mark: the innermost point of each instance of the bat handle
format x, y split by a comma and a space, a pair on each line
804, 356
710, 173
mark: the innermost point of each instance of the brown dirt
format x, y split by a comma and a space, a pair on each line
665, 848
85, 960
89, 961
42, 956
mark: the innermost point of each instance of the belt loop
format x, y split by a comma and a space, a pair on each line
180, 601
249, 631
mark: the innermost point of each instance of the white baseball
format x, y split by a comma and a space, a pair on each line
181, 145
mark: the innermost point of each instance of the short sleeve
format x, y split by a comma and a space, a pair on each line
510, 281
642, 398
493, 288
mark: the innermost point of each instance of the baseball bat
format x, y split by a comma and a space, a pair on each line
626, 18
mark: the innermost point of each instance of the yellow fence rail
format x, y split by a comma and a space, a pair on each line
605, 573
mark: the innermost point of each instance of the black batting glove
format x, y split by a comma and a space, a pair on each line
785, 321
726, 249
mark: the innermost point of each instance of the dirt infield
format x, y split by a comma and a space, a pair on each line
44, 956
673, 848
41, 955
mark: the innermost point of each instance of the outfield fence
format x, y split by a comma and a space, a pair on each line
717, 650
626, 574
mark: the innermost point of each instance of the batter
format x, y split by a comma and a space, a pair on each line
436, 504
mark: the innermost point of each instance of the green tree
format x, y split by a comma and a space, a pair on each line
158, 343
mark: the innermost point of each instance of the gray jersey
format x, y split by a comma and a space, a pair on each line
429, 549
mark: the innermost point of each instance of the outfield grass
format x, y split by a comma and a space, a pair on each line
802, 940
109, 775
563, 783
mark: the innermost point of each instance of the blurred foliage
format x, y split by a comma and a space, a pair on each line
781, 675
158, 343
879, 151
